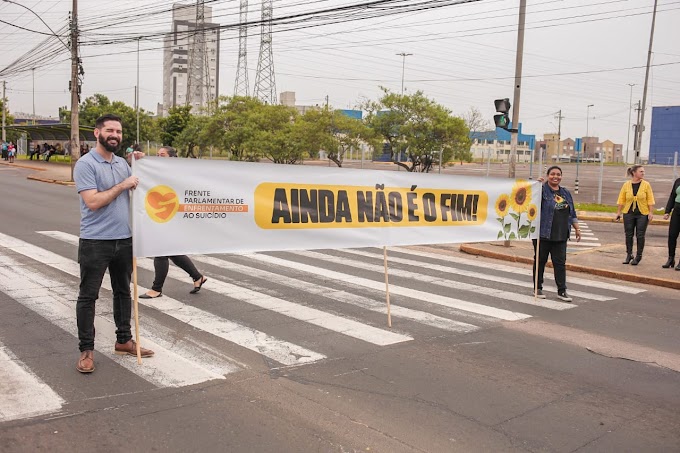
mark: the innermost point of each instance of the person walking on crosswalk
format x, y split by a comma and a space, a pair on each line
558, 217
161, 264
636, 202
104, 181
673, 211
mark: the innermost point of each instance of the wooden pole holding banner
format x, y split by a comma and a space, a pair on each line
136, 309
387, 288
538, 240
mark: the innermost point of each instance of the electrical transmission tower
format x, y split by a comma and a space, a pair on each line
241, 87
265, 83
198, 73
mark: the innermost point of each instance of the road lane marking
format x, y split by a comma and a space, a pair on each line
300, 312
443, 282
22, 393
165, 369
340, 296
618, 287
395, 289
273, 348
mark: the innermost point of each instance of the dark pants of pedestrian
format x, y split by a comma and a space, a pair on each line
95, 257
674, 230
558, 254
161, 267
635, 225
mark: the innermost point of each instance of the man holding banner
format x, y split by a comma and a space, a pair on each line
104, 181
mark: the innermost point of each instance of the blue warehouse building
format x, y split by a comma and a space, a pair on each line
664, 139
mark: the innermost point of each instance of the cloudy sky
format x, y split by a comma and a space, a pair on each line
576, 53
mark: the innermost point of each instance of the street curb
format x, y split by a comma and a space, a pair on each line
674, 284
598, 218
38, 178
51, 181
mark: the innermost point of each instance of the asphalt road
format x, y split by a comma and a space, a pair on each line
469, 365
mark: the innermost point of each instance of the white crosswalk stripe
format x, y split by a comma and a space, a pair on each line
293, 310
283, 352
497, 267
23, 393
421, 281
588, 239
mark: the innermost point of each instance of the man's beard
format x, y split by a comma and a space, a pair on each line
110, 148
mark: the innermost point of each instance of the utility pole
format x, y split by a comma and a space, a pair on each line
4, 109
518, 86
630, 110
636, 134
75, 88
559, 133
403, 56
33, 74
641, 122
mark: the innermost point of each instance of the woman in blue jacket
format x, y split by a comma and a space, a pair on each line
558, 216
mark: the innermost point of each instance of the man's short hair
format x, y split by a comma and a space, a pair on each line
108, 117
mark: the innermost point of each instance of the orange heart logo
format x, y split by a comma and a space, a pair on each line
161, 203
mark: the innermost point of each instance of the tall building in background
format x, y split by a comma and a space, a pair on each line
179, 45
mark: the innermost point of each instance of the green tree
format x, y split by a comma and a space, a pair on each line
98, 104
194, 140
10, 135
172, 125
335, 133
278, 137
420, 128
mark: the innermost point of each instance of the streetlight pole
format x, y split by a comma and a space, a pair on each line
33, 74
578, 155
630, 110
403, 67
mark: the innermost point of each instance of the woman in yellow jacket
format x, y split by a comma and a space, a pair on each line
636, 201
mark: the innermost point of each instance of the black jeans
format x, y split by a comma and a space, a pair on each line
674, 230
635, 225
161, 266
558, 254
95, 257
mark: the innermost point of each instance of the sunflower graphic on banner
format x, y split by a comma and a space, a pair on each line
516, 212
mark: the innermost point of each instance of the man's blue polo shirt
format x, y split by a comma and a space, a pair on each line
92, 171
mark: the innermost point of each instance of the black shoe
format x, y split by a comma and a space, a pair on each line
636, 260
669, 263
539, 294
563, 296
200, 285
629, 257
677, 268
146, 296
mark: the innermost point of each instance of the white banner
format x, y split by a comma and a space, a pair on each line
189, 206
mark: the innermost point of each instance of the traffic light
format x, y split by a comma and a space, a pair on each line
503, 107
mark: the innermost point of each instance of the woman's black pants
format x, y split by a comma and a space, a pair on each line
161, 267
674, 230
557, 250
635, 225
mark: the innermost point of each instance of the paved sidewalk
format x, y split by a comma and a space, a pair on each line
52, 172
604, 261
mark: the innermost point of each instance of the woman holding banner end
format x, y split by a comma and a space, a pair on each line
161, 264
558, 216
